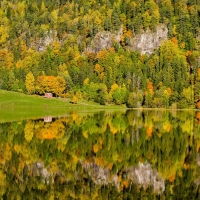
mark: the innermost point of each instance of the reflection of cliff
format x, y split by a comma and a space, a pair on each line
101, 176
145, 176
38, 169
142, 175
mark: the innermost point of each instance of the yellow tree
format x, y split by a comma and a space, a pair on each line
4, 30
45, 84
53, 84
60, 85
30, 83
6, 58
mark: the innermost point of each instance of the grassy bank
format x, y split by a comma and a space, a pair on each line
18, 106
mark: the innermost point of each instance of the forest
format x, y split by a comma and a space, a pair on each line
50, 46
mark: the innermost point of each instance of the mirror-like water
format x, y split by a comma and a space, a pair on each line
106, 155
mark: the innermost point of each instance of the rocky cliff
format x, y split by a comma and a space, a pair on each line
145, 42
148, 41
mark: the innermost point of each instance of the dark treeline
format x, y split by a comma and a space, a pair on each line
44, 48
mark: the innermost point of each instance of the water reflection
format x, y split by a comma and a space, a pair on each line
105, 155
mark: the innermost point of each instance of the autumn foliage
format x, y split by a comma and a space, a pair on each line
53, 46
51, 84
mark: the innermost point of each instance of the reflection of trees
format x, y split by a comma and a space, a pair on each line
52, 130
107, 142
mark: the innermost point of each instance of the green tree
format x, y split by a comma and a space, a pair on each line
120, 95
116, 22
11, 80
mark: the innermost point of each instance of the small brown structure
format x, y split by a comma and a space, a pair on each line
48, 95
48, 119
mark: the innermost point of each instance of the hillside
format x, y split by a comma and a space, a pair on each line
139, 53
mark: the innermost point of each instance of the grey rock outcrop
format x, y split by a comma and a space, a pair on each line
145, 42
104, 40
42, 43
148, 41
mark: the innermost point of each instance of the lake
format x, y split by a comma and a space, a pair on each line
130, 154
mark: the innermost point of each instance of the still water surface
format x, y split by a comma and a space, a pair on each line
105, 155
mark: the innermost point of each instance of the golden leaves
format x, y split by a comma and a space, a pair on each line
29, 131
100, 161
187, 127
95, 148
128, 33
110, 166
172, 178
30, 83
102, 54
97, 68
167, 126
125, 183
6, 58
113, 130
51, 130
86, 81
113, 88
174, 40
2, 178
149, 130
168, 92
7, 152
198, 114
3, 35
50, 84
150, 87
74, 99
85, 134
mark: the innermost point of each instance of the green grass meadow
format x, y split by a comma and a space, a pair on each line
17, 106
